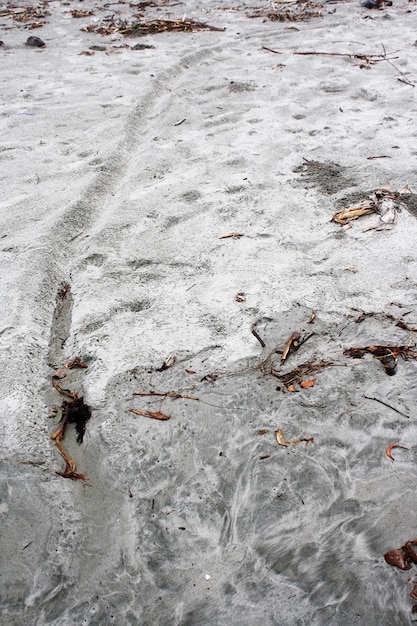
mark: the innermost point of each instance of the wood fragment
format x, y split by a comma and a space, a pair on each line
168, 394
261, 341
232, 236
387, 405
264, 456
292, 343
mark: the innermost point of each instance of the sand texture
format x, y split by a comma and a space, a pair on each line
166, 208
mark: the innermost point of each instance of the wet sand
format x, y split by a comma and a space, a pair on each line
121, 172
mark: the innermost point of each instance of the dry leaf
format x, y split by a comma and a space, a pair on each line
280, 438
292, 389
157, 415
263, 431
307, 383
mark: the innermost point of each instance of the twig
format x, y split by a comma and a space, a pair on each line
261, 341
270, 50
387, 405
164, 395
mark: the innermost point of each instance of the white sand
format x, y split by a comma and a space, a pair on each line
119, 173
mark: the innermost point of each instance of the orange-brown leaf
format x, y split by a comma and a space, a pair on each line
307, 383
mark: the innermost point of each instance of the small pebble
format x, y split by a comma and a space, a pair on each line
142, 46
35, 42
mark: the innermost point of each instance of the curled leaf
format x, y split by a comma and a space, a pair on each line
280, 438
393, 445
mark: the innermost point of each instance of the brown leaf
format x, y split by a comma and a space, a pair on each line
157, 415
292, 389
191, 372
263, 431
398, 558
307, 383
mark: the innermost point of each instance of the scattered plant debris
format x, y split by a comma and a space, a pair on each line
297, 12
240, 297
298, 374
147, 27
23, 15
81, 12
388, 355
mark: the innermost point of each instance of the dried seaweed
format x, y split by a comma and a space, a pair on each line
26, 14
388, 355
78, 413
383, 201
298, 374
297, 12
147, 27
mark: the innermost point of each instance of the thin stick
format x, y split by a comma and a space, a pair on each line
261, 341
164, 395
387, 405
270, 50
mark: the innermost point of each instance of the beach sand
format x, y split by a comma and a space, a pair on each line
122, 171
